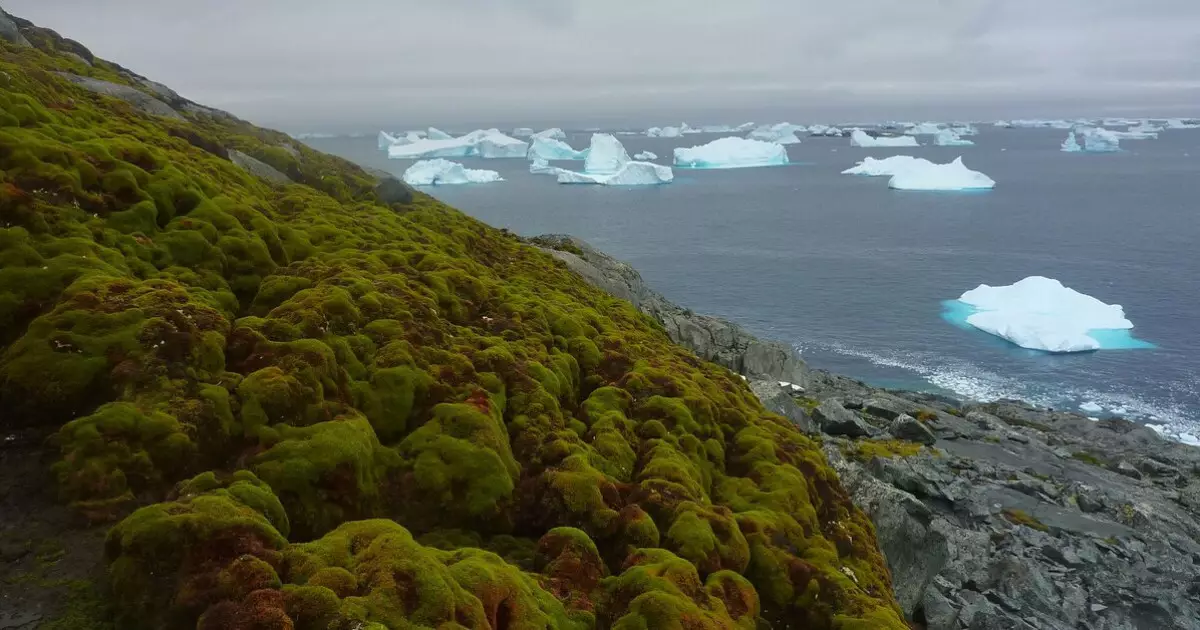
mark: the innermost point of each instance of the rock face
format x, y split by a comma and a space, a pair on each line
391, 190
778, 398
10, 33
130, 95
258, 168
713, 339
1019, 517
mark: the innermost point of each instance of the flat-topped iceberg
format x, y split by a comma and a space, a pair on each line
443, 172
521, 132
665, 132
782, 133
1041, 314
630, 174
860, 138
553, 133
825, 130
732, 153
1179, 123
887, 167
937, 177
924, 129
947, 138
551, 149
646, 155
485, 143
1136, 133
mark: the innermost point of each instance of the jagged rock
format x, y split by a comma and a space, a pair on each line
1155, 468
391, 190
133, 96
939, 612
10, 33
778, 399
909, 428
1125, 468
258, 168
711, 338
888, 408
834, 419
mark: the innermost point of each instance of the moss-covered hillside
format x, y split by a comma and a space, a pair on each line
297, 406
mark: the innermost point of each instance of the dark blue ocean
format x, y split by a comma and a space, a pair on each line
854, 274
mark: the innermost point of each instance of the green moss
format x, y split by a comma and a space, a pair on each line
867, 450
85, 609
1089, 458
1020, 517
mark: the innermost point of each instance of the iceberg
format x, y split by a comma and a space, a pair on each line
433, 133
442, 172
947, 138
1096, 140
1091, 407
716, 129
485, 143
1179, 123
937, 177
386, 140
744, 127
1135, 133
606, 155
1041, 314
1071, 144
646, 155
887, 167
1043, 124
782, 133
825, 130
553, 133
1002, 124
551, 149
732, 152
665, 132
540, 166
964, 130
629, 174
924, 129
860, 139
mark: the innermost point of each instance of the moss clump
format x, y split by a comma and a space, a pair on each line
927, 415
1020, 517
867, 450
1089, 458
331, 357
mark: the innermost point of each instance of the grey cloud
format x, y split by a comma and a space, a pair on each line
307, 64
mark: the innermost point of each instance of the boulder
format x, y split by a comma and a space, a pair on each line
778, 399
889, 408
258, 168
10, 33
909, 428
133, 96
834, 419
390, 190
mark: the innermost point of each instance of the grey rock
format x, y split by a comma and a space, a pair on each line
909, 428
258, 168
390, 191
10, 33
940, 613
778, 399
889, 408
712, 339
133, 96
1125, 468
834, 419
1062, 555
1089, 504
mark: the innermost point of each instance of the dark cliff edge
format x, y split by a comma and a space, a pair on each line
996, 516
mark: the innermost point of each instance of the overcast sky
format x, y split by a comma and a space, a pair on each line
320, 65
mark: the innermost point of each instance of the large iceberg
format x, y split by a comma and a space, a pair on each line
964, 129
442, 172
608, 164
924, 129
540, 166
521, 132
485, 143
646, 155
782, 133
1096, 140
716, 129
433, 133
860, 138
824, 130
1137, 133
665, 132
1041, 314
732, 152
887, 167
952, 176
386, 140
1071, 144
947, 138
553, 133
551, 149
1179, 123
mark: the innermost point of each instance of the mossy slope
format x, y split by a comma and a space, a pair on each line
331, 358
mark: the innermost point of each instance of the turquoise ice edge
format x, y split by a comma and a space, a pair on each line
956, 313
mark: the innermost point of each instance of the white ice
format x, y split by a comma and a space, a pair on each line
1002, 124
646, 155
1041, 314
887, 167
386, 140
443, 172
433, 133
665, 132
937, 177
824, 130
1071, 144
1177, 123
551, 149
521, 132
964, 130
485, 143
630, 174
947, 138
553, 133
732, 152
744, 127
1091, 407
924, 129
606, 155
1043, 124
782, 133
540, 166
1096, 140
860, 138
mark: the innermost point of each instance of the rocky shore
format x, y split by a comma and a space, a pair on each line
996, 516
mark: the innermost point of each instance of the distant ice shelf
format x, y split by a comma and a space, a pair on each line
441, 172
484, 143
860, 138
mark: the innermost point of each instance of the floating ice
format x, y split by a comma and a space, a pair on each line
732, 152
1091, 407
442, 172
485, 143
716, 129
860, 138
606, 155
1041, 314
782, 133
887, 167
551, 149
665, 132
553, 133
521, 132
646, 155
1071, 144
1002, 124
744, 127
1043, 124
386, 140
630, 174
1178, 123
935, 177
964, 130
540, 166
947, 138
1136, 133
433, 133
1096, 140
924, 129
824, 130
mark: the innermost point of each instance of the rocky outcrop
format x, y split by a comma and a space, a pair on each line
1022, 518
711, 338
133, 96
10, 33
258, 168
391, 190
